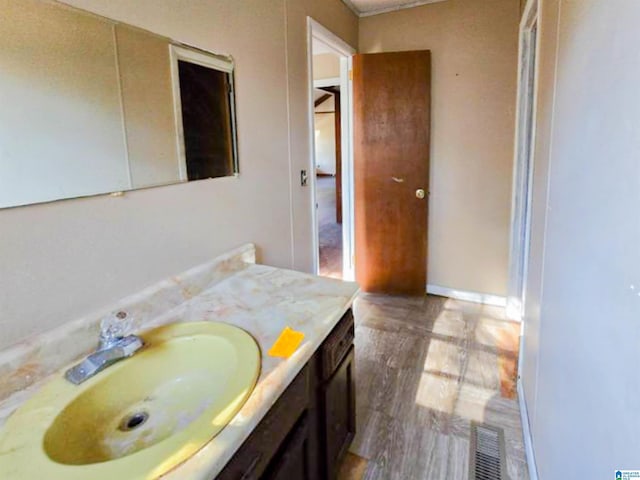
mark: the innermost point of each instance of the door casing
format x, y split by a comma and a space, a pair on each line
321, 33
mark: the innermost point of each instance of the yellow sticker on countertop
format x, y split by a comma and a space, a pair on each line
287, 343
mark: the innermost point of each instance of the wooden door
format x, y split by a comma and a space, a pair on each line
392, 96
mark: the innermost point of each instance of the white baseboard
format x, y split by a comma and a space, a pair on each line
476, 297
526, 434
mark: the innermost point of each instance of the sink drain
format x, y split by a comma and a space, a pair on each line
132, 422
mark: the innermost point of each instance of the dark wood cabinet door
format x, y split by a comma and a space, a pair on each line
339, 405
293, 459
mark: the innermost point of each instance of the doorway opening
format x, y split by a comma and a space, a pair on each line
328, 166
331, 173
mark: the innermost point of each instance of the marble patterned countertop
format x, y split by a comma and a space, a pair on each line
231, 288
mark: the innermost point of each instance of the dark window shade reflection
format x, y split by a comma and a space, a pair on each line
206, 120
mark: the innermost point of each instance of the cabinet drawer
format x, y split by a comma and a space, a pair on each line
337, 344
252, 458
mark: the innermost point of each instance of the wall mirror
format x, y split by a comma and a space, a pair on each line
93, 106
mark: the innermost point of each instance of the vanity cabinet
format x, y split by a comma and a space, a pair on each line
306, 433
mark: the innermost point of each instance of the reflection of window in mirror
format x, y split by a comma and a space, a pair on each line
205, 111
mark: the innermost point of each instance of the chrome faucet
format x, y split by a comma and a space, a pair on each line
113, 346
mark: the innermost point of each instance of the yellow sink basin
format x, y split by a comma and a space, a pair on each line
140, 417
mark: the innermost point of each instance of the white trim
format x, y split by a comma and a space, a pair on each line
526, 432
521, 213
379, 11
348, 192
467, 296
209, 60
326, 36
326, 82
315, 31
311, 168
524, 154
177, 115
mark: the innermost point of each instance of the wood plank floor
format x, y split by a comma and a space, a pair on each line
425, 368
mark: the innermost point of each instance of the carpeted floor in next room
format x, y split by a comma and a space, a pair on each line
329, 231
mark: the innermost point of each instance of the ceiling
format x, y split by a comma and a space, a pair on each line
364, 8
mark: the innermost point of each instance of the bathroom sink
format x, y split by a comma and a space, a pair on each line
138, 418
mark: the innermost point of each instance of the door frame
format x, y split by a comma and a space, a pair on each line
524, 154
317, 31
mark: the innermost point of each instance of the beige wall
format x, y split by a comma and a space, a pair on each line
66, 259
474, 54
326, 65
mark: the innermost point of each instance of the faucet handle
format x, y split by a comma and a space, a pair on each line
114, 327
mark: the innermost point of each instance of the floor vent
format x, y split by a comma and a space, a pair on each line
487, 456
